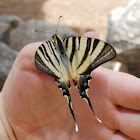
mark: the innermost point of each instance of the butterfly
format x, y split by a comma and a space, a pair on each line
73, 58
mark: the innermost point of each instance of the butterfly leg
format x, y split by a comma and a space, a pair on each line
65, 90
83, 87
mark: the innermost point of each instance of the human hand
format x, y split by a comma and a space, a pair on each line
37, 110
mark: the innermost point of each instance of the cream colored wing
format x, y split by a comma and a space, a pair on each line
53, 62
86, 54
47, 60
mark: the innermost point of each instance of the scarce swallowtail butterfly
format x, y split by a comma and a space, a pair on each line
73, 58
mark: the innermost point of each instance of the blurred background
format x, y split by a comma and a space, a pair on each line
117, 22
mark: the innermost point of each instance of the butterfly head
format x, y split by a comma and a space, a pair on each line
59, 43
56, 38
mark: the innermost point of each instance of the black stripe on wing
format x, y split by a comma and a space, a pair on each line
49, 57
48, 43
66, 44
86, 52
53, 52
96, 41
107, 53
40, 65
73, 48
43, 52
79, 41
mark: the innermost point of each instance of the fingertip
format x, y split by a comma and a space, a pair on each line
91, 34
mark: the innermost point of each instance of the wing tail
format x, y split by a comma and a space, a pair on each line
65, 90
83, 86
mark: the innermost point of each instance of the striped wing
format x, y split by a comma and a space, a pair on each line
86, 54
47, 60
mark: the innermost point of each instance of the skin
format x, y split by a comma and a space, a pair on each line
37, 110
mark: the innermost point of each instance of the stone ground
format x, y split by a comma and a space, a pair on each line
80, 15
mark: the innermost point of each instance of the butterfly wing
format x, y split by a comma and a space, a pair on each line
86, 54
47, 60
65, 90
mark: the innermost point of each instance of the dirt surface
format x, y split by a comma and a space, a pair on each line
80, 15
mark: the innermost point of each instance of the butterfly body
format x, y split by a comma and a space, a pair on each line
73, 58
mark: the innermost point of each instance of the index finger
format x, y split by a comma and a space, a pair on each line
91, 34
123, 89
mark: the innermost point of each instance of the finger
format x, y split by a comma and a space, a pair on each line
128, 122
91, 34
127, 91
121, 88
105, 94
121, 136
100, 132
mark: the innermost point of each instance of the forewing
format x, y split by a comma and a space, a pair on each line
47, 60
86, 54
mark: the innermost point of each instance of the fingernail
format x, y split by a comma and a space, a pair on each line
91, 34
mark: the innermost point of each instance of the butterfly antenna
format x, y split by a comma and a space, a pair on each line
57, 24
42, 31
